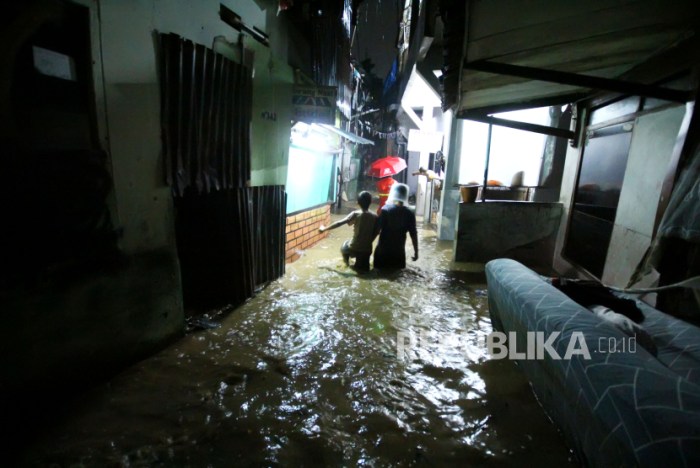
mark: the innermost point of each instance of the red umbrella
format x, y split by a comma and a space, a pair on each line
388, 166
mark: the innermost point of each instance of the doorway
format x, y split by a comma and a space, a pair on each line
56, 180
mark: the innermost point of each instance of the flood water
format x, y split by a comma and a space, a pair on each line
309, 373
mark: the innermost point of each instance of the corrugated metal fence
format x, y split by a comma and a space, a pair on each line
230, 237
206, 113
229, 242
269, 223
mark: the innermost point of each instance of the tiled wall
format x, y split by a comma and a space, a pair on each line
302, 231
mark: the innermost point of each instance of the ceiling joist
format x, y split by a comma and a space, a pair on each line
559, 100
543, 129
584, 81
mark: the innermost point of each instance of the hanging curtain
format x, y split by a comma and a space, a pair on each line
675, 250
681, 218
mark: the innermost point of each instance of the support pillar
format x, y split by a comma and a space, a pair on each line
449, 204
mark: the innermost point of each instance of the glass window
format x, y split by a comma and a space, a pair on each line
617, 109
473, 152
310, 179
538, 115
596, 198
682, 83
512, 150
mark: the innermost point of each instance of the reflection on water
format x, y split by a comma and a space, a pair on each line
323, 367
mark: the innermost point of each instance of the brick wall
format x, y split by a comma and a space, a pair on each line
302, 231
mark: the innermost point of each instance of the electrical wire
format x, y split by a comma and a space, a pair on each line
691, 283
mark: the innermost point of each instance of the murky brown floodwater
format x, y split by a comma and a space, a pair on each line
307, 373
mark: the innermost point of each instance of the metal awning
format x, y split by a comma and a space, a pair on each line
546, 52
348, 135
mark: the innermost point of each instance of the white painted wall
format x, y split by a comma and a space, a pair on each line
273, 83
132, 101
128, 27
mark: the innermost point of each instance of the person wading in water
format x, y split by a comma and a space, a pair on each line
395, 220
364, 223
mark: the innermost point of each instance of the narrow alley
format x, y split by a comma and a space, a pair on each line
177, 179
307, 372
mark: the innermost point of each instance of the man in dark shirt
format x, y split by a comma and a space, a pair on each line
395, 220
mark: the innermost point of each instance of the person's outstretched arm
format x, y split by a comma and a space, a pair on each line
338, 223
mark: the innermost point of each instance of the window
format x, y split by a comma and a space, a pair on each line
597, 195
310, 179
511, 150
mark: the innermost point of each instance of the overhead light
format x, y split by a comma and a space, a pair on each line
437, 73
310, 138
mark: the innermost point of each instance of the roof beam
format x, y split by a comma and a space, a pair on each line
680, 58
549, 101
584, 81
543, 129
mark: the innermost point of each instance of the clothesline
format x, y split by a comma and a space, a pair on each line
377, 133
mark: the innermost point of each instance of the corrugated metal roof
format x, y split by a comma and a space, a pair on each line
350, 136
601, 38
